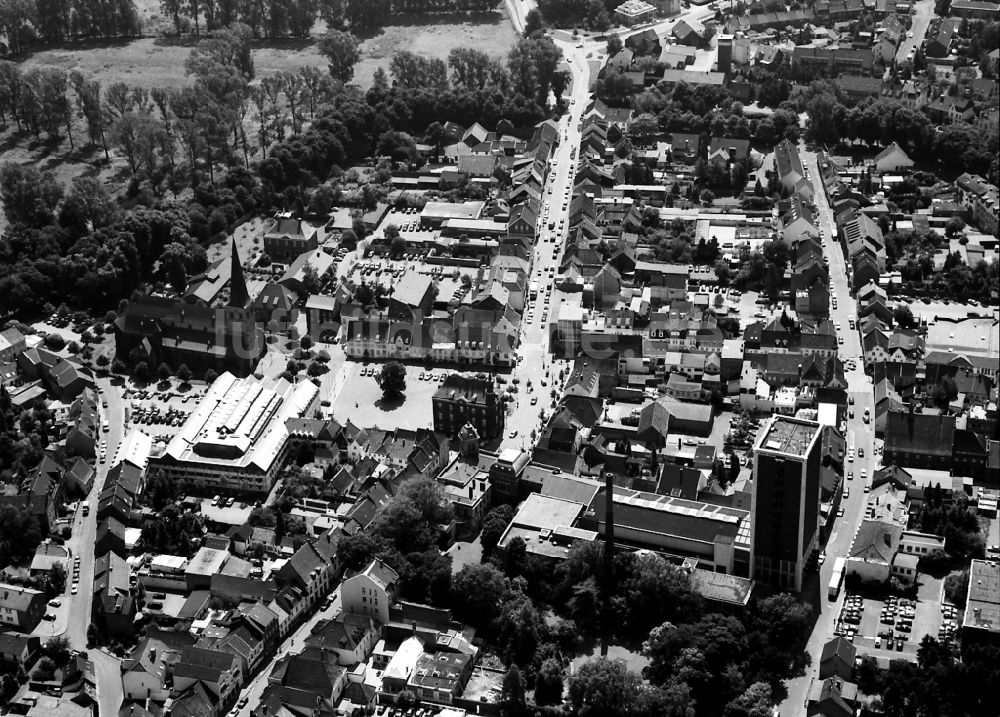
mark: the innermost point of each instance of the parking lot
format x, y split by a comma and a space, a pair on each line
892, 628
161, 413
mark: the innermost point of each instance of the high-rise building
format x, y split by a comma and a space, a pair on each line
786, 497
725, 53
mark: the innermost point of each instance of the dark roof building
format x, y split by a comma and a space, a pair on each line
462, 400
920, 440
221, 338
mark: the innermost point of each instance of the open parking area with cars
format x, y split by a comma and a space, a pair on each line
891, 627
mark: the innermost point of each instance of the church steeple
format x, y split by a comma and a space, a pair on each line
239, 296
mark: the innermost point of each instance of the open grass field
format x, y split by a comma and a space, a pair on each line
159, 62
492, 34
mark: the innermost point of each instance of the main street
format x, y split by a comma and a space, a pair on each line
859, 436
293, 644
535, 363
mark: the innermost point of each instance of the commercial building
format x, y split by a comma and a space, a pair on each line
236, 441
462, 400
981, 622
716, 536
634, 12
786, 498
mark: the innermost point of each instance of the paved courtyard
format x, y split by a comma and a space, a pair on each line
359, 399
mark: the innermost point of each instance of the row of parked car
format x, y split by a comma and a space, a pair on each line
170, 417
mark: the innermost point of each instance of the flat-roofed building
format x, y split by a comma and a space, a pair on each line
440, 677
436, 213
634, 12
546, 525
236, 440
786, 498
715, 535
981, 622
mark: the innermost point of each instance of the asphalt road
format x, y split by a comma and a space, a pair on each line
859, 435
535, 363
292, 644
921, 20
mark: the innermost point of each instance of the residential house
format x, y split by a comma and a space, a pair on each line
892, 159
351, 637
832, 697
20, 607
371, 591
837, 659
219, 672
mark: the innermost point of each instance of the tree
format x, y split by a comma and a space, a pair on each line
262, 516
781, 628
903, 316
956, 587
655, 591
184, 373
533, 23
58, 648
494, 525
163, 371
943, 392
756, 701
512, 702
45, 670
29, 196
604, 687
476, 592
342, 51
397, 247
954, 226
412, 520
868, 675
349, 240
549, 682
392, 380
141, 372
425, 577
87, 207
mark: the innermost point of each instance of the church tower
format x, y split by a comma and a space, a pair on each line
243, 339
